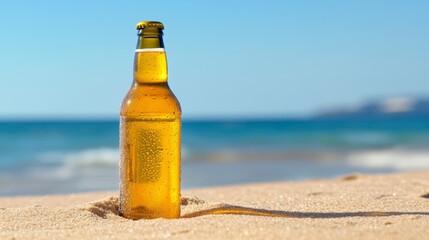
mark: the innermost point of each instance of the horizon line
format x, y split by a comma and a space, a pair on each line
50, 118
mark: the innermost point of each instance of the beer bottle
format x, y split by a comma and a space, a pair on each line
150, 125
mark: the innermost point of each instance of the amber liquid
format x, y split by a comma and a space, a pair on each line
150, 143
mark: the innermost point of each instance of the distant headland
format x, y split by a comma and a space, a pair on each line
393, 107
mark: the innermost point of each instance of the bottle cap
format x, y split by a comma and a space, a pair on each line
149, 24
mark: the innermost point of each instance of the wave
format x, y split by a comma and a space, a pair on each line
67, 165
398, 159
393, 158
88, 158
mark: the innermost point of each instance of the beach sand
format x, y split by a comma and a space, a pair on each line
351, 207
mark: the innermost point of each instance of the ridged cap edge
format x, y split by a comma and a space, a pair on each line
146, 24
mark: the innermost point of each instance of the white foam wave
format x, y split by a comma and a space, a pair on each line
399, 159
68, 165
97, 157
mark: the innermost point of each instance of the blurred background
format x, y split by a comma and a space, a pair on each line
270, 90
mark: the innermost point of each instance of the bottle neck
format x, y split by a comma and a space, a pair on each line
150, 61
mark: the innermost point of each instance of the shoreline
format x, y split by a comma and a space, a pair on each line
394, 206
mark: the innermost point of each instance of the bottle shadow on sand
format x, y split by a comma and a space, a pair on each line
239, 210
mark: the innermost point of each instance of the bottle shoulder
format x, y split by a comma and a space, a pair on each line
150, 99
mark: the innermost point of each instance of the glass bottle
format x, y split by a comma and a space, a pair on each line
150, 133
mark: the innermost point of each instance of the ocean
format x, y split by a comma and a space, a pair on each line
56, 157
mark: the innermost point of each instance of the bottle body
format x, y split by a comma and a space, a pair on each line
150, 135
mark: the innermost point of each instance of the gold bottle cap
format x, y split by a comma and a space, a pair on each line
146, 24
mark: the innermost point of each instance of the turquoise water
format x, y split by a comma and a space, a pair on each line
45, 157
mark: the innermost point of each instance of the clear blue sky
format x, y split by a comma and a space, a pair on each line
226, 58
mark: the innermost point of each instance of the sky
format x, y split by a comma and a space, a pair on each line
72, 59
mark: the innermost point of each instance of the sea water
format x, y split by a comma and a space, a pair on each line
51, 156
